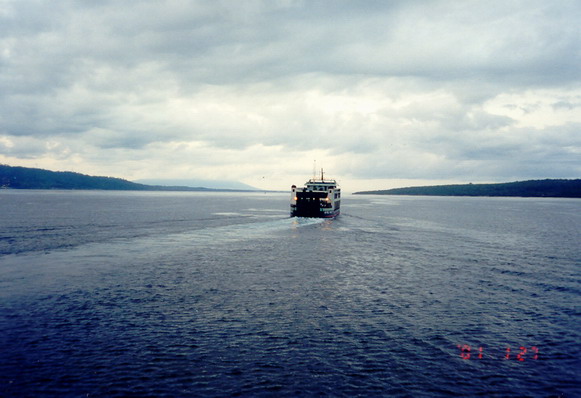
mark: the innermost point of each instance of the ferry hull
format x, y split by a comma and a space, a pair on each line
313, 214
318, 216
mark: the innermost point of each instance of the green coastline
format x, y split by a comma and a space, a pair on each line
553, 188
15, 177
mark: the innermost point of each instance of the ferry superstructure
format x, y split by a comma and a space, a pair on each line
319, 198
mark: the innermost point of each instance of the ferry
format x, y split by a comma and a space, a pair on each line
319, 198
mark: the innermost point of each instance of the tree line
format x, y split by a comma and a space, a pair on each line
555, 188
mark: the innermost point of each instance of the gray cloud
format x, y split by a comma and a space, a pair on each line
403, 89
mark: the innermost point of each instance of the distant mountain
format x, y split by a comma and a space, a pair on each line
31, 178
531, 188
196, 183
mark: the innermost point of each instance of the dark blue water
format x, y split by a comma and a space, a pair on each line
197, 294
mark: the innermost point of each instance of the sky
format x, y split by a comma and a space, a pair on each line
380, 94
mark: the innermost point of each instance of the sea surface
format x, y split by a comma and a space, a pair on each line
115, 294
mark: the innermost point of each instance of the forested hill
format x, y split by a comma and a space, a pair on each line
30, 178
532, 188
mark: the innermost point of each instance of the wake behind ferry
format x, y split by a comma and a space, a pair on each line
318, 198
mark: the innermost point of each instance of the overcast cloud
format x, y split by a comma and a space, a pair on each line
380, 93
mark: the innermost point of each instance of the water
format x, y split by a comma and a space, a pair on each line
200, 294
